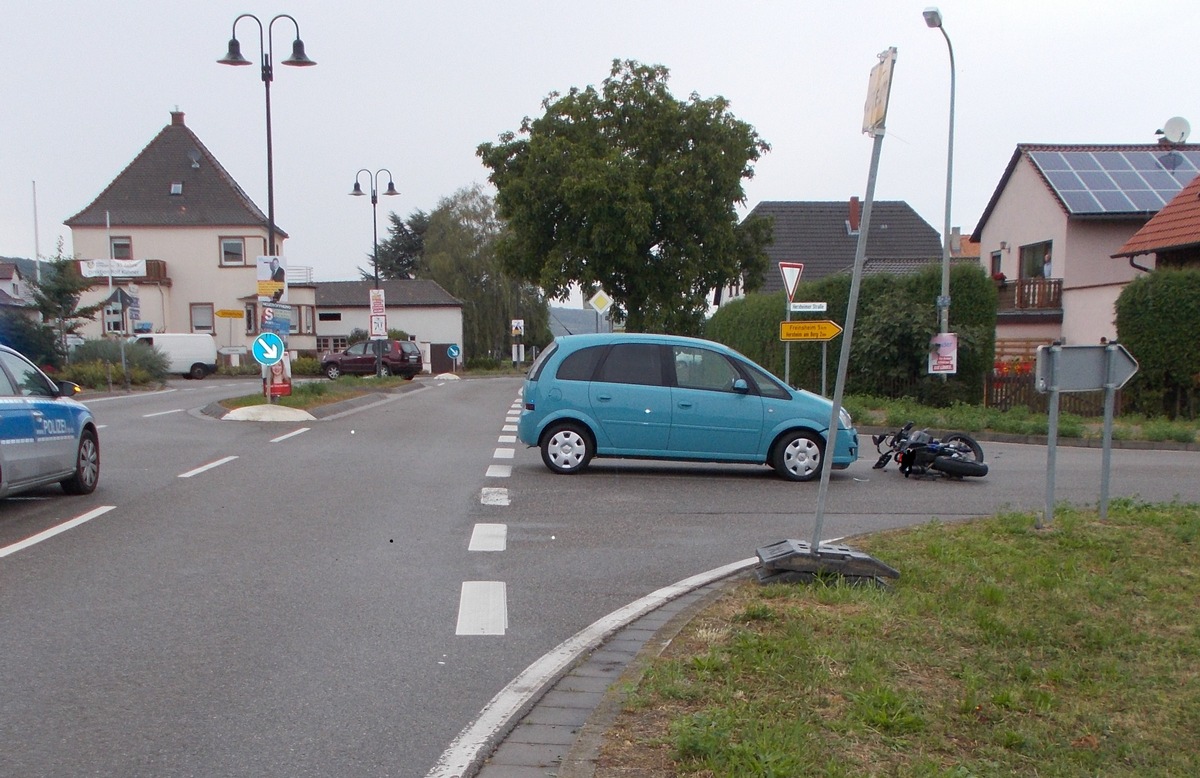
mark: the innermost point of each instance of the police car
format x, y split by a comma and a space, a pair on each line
46, 436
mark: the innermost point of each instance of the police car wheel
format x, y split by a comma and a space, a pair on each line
87, 466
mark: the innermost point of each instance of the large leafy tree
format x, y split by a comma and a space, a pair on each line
401, 255
631, 190
459, 254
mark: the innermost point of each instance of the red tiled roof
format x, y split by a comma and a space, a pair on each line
1176, 226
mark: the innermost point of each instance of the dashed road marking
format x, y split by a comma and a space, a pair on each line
482, 608
209, 466
489, 537
492, 495
499, 471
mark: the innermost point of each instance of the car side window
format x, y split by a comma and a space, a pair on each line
767, 385
357, 348
581, 365
633, 363
6, 387
29, 380
701, 368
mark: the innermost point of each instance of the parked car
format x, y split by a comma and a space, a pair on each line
189, 354
46, 436
668, 397
398, 357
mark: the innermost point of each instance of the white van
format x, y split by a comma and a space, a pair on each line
190, 354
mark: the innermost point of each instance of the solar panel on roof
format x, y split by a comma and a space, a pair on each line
1116, 182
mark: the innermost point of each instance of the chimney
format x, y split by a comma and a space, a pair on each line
956, 240
855, 215
176, 118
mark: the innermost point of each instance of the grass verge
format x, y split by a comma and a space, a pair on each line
1003, 650
312, 394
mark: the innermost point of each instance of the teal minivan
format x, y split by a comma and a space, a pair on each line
669, 397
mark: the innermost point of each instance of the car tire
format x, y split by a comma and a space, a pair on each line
384, 370
333, 372
87, 466
198, 371
567, 448
797, 455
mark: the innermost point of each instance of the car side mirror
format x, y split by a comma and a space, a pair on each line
69, 389
740, 386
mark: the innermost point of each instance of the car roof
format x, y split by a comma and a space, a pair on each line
583, 340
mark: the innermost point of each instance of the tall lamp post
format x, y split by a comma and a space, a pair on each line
298, 59
373, 182
933, 18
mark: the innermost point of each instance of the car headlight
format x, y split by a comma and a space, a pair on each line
844, 418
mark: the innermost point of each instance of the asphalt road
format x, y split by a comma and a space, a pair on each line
300, 610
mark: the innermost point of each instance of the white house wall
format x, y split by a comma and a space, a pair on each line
442, 324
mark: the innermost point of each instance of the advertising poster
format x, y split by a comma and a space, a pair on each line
943, 354
272, 279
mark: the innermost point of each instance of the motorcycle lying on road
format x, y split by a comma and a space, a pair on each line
955, 456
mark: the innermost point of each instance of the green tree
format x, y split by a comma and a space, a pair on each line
56, 298
1158, 316
460, 255
631, 190
32, 339
401, 255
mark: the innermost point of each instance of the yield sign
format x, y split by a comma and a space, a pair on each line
791, 276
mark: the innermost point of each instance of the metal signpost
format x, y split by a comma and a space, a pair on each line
1062, 368
808, 560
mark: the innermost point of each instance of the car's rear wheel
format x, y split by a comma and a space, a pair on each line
198, 371
797, 455
87, 466
384, 370
567, 448
333, 372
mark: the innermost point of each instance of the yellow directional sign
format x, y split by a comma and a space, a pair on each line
230, 313
820, 329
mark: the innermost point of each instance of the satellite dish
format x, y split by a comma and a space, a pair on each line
1176, 130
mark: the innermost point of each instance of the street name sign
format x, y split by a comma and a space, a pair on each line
819, 329
808, 307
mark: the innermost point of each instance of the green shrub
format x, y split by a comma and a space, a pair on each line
1158, 316
104, 376
483, 363
306, 366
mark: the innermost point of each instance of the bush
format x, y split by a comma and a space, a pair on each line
1158, 316
103, 376
139, 358
483, 363
307, 366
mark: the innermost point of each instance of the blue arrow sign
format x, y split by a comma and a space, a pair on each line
453, 351
268, 348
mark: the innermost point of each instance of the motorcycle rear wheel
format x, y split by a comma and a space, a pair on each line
959, 468
964, 446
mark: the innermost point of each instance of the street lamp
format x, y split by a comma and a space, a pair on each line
373, 181
299, 60
933, 18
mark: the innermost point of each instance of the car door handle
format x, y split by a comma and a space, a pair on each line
685, 405
604, 397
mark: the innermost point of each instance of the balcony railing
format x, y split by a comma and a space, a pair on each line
1031, 294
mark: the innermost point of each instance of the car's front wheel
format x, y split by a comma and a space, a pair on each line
797, 456
333, 372
87, 466
566, 448
384, 370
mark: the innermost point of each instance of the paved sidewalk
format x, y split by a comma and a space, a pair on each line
561, 736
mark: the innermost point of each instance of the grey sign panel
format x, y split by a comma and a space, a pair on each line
1083, 368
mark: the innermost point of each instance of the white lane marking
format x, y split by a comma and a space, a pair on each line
467, 749
509, 428
209, 466
101, 426
94, 400
47, 534
507, 439
512, 419
492, 495
290, 435
503, 453
499, 471
489, 537
161, 413
482, 608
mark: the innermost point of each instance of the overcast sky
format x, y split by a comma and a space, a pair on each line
415, 86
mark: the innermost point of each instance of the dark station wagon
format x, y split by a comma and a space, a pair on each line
398, 357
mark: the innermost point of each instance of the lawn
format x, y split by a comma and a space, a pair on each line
1002, 650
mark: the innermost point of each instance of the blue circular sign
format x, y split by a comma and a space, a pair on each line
453, 351
269, 348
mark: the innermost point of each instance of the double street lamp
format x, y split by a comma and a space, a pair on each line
373, 183
298, 59
933, 18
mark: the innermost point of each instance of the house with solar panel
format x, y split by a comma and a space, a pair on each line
1056, 219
